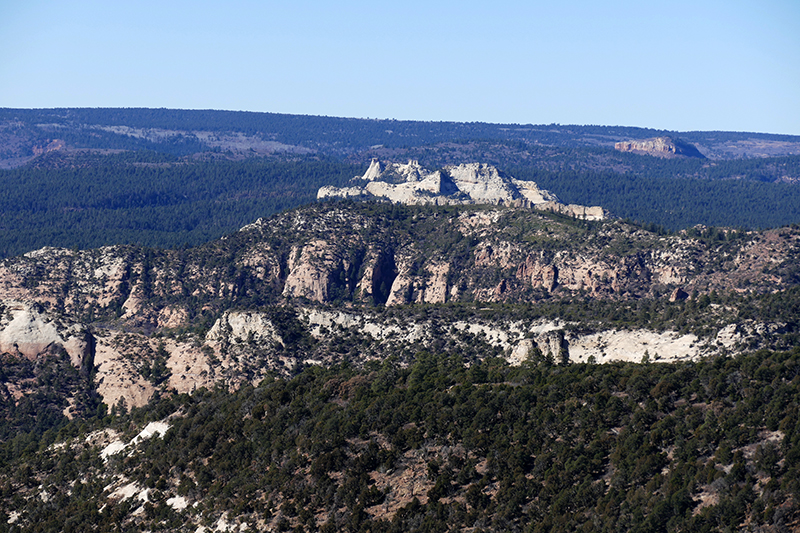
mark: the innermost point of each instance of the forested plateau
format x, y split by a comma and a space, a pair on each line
92, 177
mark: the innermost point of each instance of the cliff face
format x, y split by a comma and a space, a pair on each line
147, 320
661, 147
374, 254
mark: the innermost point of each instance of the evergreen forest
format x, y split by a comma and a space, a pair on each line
443, 444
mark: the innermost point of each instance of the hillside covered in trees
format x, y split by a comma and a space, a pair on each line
188, 342
151, 199
436, 446
161, 200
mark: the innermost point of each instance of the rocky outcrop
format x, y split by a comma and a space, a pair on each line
27, 331
142, 321
244, 326
542, 340
380, 272
429, 286
635, 346
51, 146
472, 183
678, 294
310, 270
661, 147
331, 253
118, 378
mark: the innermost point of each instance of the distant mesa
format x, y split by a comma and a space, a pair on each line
660, 147
465, 184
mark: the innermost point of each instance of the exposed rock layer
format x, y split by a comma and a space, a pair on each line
207, 304
471, 183
660, 146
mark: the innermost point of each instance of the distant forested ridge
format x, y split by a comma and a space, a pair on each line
167, 177
313, 131
336, 134
156, 202
672, 204
163, 200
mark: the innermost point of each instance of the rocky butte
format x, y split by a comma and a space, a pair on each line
465, 184
660, 147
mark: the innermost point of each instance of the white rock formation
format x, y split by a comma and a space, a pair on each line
153, 429
27, 330
244, 326
519, 340
472, 183
633, 346
661, 147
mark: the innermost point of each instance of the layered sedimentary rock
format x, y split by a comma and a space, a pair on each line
329, 253
138, 320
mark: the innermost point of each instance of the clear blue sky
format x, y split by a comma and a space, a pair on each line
679, 65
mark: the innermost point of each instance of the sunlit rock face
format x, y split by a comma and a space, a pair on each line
470, 183
661, 147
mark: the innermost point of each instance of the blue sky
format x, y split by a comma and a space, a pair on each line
680, 65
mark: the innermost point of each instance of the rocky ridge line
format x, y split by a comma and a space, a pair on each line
145, 320
465, 184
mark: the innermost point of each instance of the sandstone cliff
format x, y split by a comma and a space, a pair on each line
661, 147
257, 301
464, 184
376, 255
247, 346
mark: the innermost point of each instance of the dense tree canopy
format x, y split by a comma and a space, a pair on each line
151, 199
703, 446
